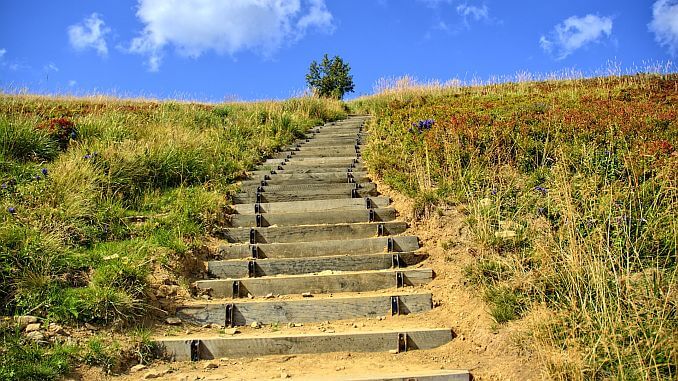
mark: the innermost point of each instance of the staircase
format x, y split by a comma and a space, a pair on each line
311, 240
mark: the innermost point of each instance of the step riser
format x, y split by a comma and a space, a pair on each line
315, 284
317, 153
312, 232
313, 206
273, 267
340, 187
303, 311
311, 160
400, 244
288, 196
312, 167
294, 219
207, 349
335, 175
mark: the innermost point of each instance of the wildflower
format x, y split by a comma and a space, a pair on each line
88, 156
73, 135
541, 189
44, 172
37, 178
3, 186
541, 210
11, 210
12, 182
494, 192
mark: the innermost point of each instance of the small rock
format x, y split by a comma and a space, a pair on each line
380, 318
211, 365
250, 296
505, 234
284, 375
32, 327
56, 329
205, 296
355, 325
255, 324
25, 320
91, 327
307, 295
340, 368
137, 368
36, 336
269, 296
165, 290
152, 374
231, 331
216, 326
173, 321
393, 351
297, 325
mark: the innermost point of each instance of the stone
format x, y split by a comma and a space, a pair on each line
307, 295
152, 374
231, 331
505, 234
32, 327
173, 320
137, 368
284, 374
393, 351
255, 324
91, 327
36, 336
25, 320
211, 365
56, 329
269, 296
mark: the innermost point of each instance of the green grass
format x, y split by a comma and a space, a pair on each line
572, 198
98, 194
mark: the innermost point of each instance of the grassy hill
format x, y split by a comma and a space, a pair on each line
570, 191
568, 187
103, 201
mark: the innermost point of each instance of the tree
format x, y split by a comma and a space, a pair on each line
330, 78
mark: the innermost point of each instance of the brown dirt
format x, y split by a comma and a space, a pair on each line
488, 350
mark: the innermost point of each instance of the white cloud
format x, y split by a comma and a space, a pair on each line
2, 53
664, 24
194, 27
574, 33
72, 83
476, 13
50, 67
89, 33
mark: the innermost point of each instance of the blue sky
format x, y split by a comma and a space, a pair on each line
216, 50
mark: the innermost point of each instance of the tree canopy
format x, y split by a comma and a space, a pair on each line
330, 78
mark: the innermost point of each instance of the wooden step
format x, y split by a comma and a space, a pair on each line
311, 218
301, 168
283, 234
318, 152
241, 268
321, 283
312, 206
312, 160
303, 310
301, 195
322, 187
431, 375
307, 178
394, 244
307, 175
208, 348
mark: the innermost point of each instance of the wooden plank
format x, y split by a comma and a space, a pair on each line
282, 234
238, 268
306, 178
301, 195
357, 281
178, 349
312, 206
319, 248
303, 310
311, 218
303, 168
311, 160
322, 187
438, 375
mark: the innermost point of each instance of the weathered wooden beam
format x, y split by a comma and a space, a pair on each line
311, 218
307, 175
357, 281
319, 248
303, 310
179, 348
281, 234
322, 187
312, 206
240, 268
302, 195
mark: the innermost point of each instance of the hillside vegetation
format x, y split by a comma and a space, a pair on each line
570, 189
98, 195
